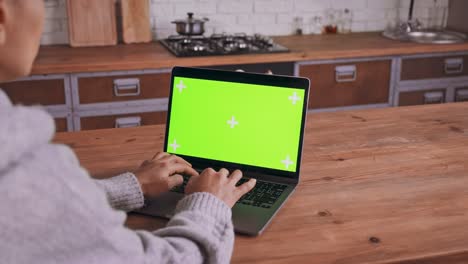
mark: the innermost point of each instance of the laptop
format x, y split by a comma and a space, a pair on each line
236, 120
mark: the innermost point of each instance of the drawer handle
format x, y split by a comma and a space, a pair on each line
345, 73
461, 95
132, 121
454, 66
127, 87
433, 98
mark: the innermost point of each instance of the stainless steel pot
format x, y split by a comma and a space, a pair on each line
190, 26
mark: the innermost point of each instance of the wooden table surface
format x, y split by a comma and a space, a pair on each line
377, 186
63, 59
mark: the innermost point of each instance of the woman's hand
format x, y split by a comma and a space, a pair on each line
220, 184
162, 173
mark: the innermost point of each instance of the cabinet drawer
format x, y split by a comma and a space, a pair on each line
422, 97
34, 92
126, 120
461, 94
432, 68
123, 88
61, 124
347, 84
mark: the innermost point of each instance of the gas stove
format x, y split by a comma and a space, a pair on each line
221, 44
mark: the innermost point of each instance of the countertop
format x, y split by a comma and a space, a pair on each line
377, 186
63, 59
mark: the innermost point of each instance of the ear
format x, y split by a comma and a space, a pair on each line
2, 22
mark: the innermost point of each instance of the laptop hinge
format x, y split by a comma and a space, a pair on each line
272, 178
265, 177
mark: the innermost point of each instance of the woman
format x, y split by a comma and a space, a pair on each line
53, 212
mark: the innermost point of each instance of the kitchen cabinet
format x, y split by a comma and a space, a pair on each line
461, 94
279, 68
121, 85
96, 100
445, 66
85, 101
61, 125
348, 83
36, 92
120, 99
431, 78
124, 120
50, 91
118, 88
422, 97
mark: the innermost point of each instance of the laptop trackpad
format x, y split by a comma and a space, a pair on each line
163, 205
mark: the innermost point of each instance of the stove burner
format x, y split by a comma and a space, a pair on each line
198, 47
221, 44
242, 45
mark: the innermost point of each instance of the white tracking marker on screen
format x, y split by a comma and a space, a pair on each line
232, 122
294, 98
287, 162
174, 145
181, 86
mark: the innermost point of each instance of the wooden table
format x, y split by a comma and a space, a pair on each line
377, 186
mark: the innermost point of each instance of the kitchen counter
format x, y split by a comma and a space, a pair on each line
378, 186
63, 59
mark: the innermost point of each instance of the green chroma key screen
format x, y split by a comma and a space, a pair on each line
240, 123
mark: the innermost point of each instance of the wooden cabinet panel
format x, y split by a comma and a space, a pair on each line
279, 68
123, 88
102, 122
432, 68
61, 125
332, 87
461, 94
421, 97
34, 92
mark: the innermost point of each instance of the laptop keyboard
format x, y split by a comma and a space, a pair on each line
181, 188
264, 194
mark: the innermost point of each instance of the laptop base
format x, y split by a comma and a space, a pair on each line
247, 219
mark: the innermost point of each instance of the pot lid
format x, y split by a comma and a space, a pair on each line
190, 19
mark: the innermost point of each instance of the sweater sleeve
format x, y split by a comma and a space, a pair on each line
123, 191
82, 227
201, 230
206, 222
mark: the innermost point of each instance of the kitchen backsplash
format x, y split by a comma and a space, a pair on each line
269, 17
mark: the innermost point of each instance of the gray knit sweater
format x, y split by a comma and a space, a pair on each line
53, 212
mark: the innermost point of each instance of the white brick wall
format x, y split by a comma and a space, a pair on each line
271, 17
